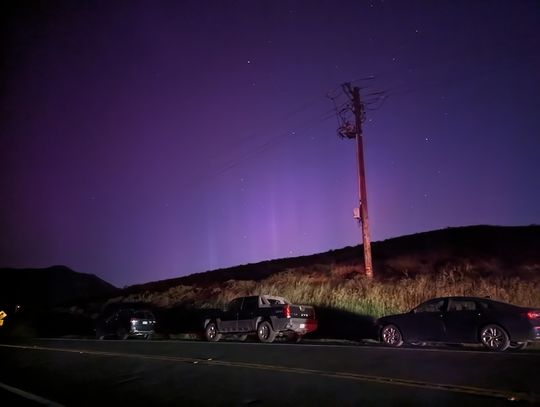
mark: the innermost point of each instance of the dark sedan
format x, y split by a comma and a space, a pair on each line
496, 325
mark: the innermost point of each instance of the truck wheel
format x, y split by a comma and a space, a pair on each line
265, 333
211, 332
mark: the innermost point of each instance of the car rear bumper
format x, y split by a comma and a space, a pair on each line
301, 326
139, 332
532, 334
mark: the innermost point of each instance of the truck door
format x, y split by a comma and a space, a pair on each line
248, 314
229, 318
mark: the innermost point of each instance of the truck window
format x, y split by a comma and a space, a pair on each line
235, 304
250, 303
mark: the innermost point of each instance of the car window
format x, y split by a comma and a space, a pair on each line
485, 305
235, 304
250, 303
431, 306
462, 305
277, 301
125, 313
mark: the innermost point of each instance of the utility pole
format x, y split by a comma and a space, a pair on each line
347, 130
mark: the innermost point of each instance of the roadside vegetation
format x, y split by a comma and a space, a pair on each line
341, 287
500, 262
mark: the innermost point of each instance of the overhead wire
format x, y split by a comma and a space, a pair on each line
341, 110
266, 146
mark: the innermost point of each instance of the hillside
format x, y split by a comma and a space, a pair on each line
487, 250
500, 262
50, 286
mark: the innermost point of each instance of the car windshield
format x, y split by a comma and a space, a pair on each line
143, 315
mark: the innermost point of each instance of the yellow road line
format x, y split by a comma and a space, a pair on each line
478, 391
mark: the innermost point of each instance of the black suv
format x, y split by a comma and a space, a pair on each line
126, 322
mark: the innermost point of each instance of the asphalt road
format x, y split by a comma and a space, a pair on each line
88, 372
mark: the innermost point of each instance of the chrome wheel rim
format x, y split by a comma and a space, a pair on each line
263, 332
391, 335
493, 337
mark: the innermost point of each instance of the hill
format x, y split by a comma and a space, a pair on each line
488, 250
500, 262
50, 286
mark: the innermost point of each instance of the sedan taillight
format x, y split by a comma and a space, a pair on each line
533, 314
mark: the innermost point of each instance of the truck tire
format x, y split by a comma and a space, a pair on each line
265, 332
211, 332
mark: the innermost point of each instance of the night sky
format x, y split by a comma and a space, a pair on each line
144, 140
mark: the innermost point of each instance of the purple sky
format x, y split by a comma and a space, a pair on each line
143, 140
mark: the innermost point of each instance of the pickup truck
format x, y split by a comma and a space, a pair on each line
265, 316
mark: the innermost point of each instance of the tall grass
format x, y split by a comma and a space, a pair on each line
340, 287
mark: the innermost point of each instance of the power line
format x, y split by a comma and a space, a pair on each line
262, 148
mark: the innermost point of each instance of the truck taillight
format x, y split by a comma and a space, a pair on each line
287, 311
533, 314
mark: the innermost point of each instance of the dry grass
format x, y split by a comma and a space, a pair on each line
340, 287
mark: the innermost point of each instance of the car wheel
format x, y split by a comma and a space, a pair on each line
518, 345
100, 334
391, 336
494, 338
211, 332
265, 333
121, 334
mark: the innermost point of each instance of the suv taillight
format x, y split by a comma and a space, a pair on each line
287, 311
533, 314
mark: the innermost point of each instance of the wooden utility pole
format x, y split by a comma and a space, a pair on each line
356, 132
